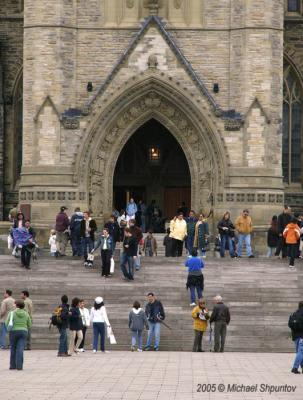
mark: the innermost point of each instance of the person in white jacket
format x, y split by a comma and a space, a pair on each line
53, 244
98, 317
86, 323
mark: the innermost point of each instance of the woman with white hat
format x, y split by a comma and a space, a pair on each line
98, 318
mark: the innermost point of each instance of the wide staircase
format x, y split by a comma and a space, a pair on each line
261, 293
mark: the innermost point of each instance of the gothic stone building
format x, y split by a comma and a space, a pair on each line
172, 100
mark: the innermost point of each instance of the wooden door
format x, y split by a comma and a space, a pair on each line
173, 197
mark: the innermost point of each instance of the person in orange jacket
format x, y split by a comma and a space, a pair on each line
291, 235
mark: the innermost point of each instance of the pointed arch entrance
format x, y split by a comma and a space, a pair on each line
152, 166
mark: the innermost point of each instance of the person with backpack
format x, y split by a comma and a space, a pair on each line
62, 325
75, 327
136, 322
195, 278
291, 235
295, 323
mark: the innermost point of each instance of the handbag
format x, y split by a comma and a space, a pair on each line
111, 336
11, 322
10, 242
90, 257
112, 265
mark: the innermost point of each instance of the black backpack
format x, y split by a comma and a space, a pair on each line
295, 322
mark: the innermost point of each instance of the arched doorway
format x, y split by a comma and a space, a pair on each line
153, 166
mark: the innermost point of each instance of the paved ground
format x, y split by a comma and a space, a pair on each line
149, 376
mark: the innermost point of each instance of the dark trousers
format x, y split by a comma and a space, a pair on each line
99, 330
105, 257
190, 243
29, 339
281, 246
25, 256
76, 244
176, 247
62, 341
81, 345
225, 239
17, 341
198, 341
292, 253
127, 260
220, 335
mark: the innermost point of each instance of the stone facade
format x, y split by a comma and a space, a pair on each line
148, 59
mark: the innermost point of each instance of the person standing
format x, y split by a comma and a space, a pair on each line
201, 235
195, 279
167, 243
75, 232
53, 244
98, 318
123, 223
18, 334
138, 236
28, 306
26, 251
75, 326
226, 230
272, 237
62, 327
150, 245
7, 305
201, 316
244, 228
191, 221
283, 219
62, 224
88, 228
128, 254
114, 231
85, 322
295, 323
291, 235
136, 322
155, 315
106, 244
178, 232
131, 208
221, 317
141, 215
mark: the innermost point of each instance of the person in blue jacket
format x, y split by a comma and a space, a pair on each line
195, 279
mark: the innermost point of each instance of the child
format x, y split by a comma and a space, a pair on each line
150, 245
217, 246
167, 241
272, 236
136, 322
291, 235
53, 244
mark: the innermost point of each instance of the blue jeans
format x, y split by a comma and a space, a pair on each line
224, 239
193, 293
125, 259
154, 330
299, 356
99, 330
3, 332
62, 340
270, 251
244, 238
87, 244
190, 243
17, 341
76, 244
137, 337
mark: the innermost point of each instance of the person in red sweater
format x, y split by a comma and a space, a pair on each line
291, 235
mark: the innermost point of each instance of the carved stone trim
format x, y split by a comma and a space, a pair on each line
71, 123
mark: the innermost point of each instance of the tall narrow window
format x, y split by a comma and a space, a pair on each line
293, 6
292, 127
18, 109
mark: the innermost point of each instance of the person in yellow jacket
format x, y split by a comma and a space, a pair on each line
178, 233
200, 316
244, 227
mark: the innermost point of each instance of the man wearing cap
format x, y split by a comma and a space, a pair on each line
244, 228
62, 224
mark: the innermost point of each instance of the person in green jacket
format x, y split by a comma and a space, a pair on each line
18, 322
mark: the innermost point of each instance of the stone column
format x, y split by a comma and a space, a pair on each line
1, 142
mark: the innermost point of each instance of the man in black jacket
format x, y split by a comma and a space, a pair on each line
62, 327
295, 323
114, 231
88, 228
75, 227
283, 220
221, 317
155, 314
128, 254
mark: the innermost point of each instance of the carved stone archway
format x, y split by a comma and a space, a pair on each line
113, 128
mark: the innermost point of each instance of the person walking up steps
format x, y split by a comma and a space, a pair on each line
136, 321
295, 323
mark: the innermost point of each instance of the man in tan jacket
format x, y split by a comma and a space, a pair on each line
7, 304
244, 228
178, 232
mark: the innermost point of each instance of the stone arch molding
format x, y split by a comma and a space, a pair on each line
113, 128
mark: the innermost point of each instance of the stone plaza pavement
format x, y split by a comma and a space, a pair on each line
149, 376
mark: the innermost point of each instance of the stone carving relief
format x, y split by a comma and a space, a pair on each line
178, 3
130, 3
102, 164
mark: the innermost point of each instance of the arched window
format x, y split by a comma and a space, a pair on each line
18, 129
292, 127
